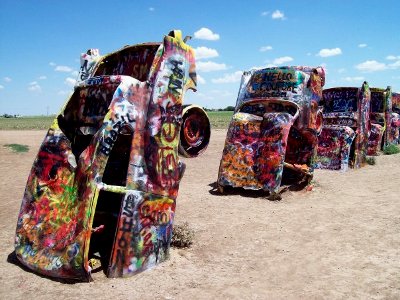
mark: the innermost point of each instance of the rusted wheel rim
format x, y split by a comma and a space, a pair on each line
192, 131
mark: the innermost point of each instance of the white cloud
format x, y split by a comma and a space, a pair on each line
203, 96
63, 93
52, 64
257, 67
220, 93
34, 87
204, 52
278, 15
42, 77
151, 8
269, 66
362, 45
74, 73
329, 52
395, 65
7, 79
282, 60
265, 13
206, 34
229, 78
353, 79
342, 70
70, 81
392, 57
200, 79
210, 66
265, 48
1, 87
371, 66
63, 69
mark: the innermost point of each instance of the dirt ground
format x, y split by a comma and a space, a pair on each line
341, 240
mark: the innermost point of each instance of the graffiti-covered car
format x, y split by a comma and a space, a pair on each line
382, 114
274, 129
396, 117
105, 181
396, 103
344, 137
135, 61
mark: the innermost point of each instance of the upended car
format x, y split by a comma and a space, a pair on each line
346, 130
105, 181
382, 115
273, 134
396, 117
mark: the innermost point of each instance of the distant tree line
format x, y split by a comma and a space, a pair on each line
10, 116
228, 108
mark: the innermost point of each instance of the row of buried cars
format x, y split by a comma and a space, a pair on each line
285, 125
105, 181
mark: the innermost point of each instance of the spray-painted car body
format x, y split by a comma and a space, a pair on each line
344, 137
135, 61
383, 115
275, 125
396, 117
396, 103
110, 161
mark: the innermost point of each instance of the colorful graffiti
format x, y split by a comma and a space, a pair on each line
382, 114
396, 102
275, 125
346, 120
109, 166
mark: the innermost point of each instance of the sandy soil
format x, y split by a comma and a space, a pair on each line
341, 240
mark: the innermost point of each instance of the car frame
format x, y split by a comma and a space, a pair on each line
105, 181
274, 129
343, 141
382, 114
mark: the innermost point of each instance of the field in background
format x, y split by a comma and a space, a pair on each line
218, 119
26, 123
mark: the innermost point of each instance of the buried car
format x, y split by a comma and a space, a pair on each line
396, 117
136, 61
382, 114
346, 128
274, 129
105, 181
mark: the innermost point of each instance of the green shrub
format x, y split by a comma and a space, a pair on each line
391, 149
371, 160
18, 147
182, 236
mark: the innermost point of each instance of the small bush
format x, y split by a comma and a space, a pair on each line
182, 236
17, 147
391, 149
371, 160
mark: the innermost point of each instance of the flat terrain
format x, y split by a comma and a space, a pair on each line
339, 241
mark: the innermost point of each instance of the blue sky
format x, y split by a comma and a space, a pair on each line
41, 41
